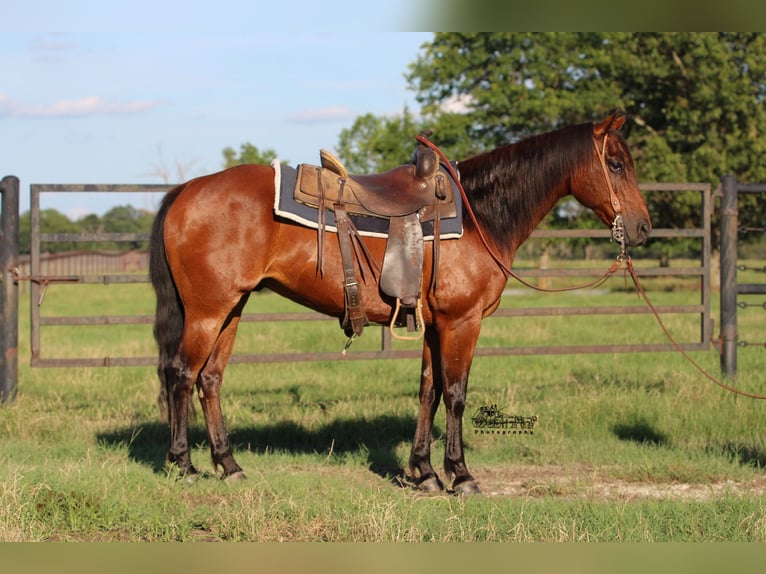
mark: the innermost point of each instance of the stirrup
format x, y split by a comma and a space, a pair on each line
419, 324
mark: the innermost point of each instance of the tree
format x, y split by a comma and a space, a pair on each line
51, 221
162, 171
248, 153
378, 143
127, 219
696, 100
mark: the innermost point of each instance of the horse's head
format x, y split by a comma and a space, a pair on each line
611, 189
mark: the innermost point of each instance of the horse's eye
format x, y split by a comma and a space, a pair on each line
616, 166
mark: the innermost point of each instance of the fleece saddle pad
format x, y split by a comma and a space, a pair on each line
285, 205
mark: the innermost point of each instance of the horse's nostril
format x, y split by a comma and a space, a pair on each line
644, 230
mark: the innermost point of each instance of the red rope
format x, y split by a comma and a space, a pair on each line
678, 348
507, 270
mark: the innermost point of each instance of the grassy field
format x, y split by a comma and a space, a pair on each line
626, 448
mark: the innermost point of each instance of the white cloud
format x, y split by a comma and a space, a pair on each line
321, 115
77, 212
51, 48
82, 107
458, 104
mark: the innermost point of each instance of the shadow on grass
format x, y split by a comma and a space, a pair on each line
377, 438
745, 455
640, 431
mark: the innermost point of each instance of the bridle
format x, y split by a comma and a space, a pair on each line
618, 227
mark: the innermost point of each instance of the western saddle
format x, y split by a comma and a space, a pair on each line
406, 196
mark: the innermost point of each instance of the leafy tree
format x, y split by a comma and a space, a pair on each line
248, 153
91, 223
119, 219
127, 219
378, 143
51, 221
696, 100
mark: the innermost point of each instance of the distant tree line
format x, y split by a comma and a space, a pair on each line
120, 219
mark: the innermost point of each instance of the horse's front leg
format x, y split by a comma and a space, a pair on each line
420, 467
457, 345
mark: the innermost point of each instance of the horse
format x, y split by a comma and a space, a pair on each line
216, 239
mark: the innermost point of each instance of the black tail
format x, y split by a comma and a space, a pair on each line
169, 318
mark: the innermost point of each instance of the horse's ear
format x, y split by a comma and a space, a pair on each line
614, 122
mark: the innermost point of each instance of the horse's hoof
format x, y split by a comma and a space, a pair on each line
236, 476
466, 488
188, 475
431, 484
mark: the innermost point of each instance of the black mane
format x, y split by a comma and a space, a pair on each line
509, 187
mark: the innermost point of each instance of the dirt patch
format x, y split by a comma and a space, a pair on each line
595, 484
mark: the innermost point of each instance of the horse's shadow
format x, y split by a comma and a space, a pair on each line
376, 438
643, 432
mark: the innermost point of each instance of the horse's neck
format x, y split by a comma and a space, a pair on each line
511, 204
526, 226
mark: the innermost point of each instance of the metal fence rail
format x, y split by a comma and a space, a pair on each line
730, 289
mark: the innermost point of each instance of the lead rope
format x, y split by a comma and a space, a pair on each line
677, 347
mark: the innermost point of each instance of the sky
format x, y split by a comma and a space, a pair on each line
152, 92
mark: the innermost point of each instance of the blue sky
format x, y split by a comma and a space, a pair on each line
136, 92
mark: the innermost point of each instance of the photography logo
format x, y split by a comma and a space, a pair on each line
491, 420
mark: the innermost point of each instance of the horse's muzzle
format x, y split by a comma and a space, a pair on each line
640, 233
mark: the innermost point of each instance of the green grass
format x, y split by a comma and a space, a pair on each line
325, 444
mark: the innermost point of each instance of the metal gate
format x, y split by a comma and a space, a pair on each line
39, 282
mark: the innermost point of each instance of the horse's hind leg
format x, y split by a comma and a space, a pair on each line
209, 385
179, 386
198, 342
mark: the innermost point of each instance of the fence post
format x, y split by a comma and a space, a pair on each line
729, 216
9, 289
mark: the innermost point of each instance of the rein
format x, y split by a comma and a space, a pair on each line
675, 344
456, 178
618, 230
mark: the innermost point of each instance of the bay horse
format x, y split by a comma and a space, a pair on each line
216, 239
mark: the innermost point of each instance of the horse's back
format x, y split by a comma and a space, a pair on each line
245, 185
